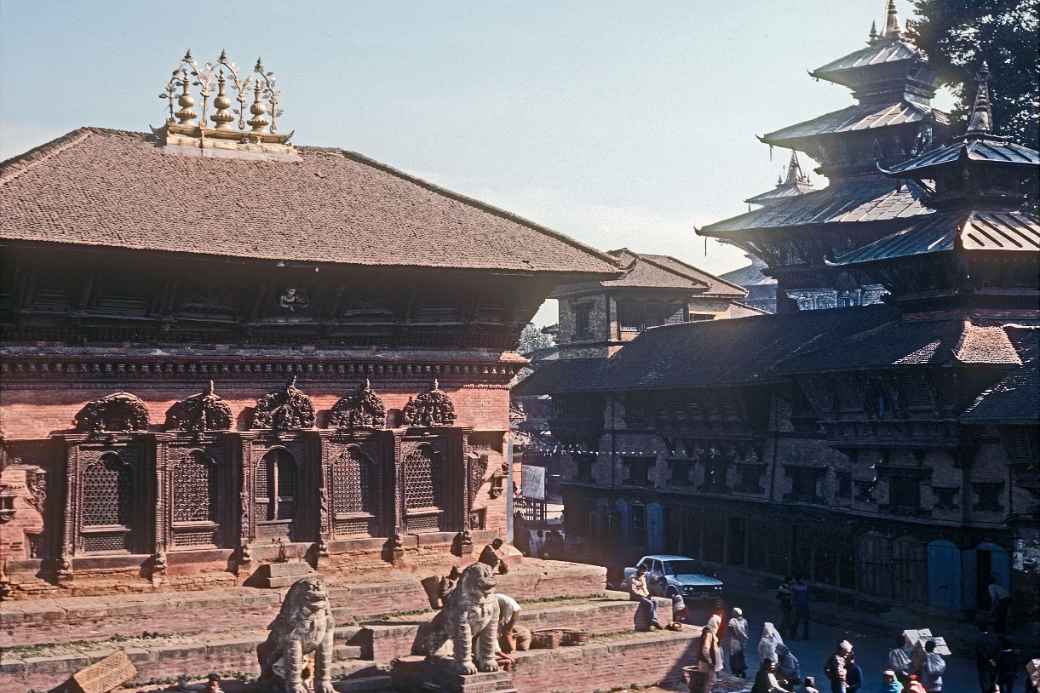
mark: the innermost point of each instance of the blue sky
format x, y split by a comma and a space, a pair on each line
620, 124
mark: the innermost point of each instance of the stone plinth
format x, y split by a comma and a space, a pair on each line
282, 574
417, 675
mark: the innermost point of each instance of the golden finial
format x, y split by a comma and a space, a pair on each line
222, 118
185, 100
981, 120
258, 109
892, 21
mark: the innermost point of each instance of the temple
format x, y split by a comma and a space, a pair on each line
797, 230
219, 346
886, 452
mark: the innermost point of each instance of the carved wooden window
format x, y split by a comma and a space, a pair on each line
195, 489
276, 486
351, 483
421, 479
583, 321
107, 490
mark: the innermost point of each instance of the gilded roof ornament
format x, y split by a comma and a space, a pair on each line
892, 21
873, 37
192, 84
981, 121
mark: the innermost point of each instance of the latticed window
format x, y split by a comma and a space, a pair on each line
195, 489
422, 479
275, 486
351, 483
107, 489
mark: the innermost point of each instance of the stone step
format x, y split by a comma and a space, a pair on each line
610, 614
27, 622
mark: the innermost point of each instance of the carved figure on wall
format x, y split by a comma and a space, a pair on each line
470, 613
304, 626
283, 410
36, 482
120, 411
201, 412
476, 468
362, 410
293, 299
433, 408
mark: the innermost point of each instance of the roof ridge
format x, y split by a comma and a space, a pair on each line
703, 271
12, 168
473, 202
649, 259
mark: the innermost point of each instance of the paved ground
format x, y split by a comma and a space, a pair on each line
871, 653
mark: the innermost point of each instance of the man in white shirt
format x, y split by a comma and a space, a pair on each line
511, 636
638, 591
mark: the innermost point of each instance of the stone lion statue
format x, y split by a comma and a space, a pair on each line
470, 614
303, 627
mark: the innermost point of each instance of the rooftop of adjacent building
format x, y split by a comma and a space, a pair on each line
662, 272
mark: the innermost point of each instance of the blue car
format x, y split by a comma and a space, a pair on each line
669, 575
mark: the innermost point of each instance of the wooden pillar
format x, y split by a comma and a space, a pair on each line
70, 512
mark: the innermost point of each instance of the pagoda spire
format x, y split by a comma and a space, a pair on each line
891, 21
872, 38
794, 170
981, 120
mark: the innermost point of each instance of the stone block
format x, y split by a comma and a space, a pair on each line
417, 674
103, 676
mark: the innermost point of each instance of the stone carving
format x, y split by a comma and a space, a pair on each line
286, 409
470, 613
120, 411
304, 626
362, 410
201, 412
433, 408
36, 482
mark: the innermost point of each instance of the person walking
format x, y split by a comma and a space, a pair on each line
639, 592
766, 680
768, 643
932, 668
790, 672
1007, 666
889, 682
736, 641
999, 603
987, 647
836, 667
783, 595
800, 597
709, 657
900, 660
853, 674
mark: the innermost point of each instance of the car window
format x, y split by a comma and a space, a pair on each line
686, 567
657, 567
644, 562
668, 569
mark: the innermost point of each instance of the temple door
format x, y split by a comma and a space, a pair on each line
944, 575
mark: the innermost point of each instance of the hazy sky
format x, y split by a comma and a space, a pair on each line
620, 124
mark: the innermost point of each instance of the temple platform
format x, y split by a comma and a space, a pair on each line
168, 635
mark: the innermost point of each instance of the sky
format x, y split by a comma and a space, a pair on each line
621, 124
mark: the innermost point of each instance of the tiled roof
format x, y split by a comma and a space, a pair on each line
780, 192
98, 187
1016, 398
561, 376
853, 118
1001, 230
912, 342
868, 198
714, 353
879, 53
989, 149
751, 275
646, 271
717, 286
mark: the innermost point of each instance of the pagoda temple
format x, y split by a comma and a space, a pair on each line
892, 120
